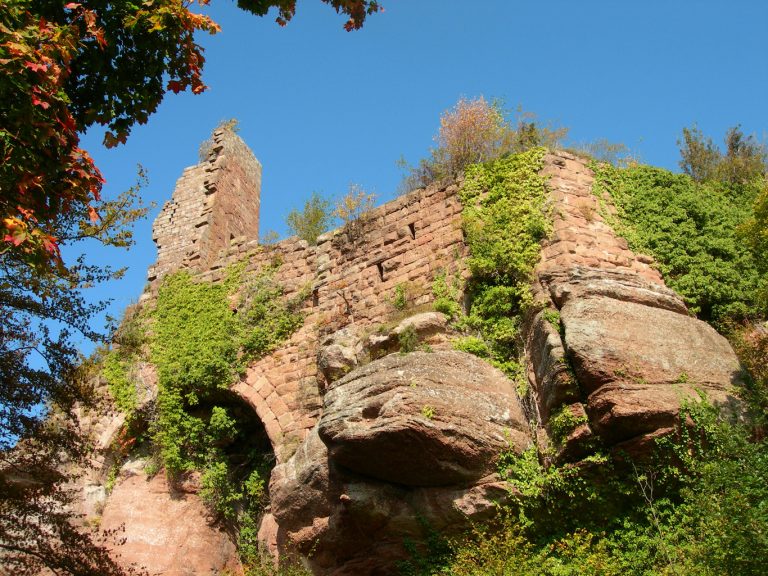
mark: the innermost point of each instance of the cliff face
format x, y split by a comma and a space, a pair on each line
372, 445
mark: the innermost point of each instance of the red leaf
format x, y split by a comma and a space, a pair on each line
35, 66
93, 215
50, 243
175, 86
72, 6
42, 103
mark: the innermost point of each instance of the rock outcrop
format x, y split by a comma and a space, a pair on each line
405, 442
166, 529
627, 354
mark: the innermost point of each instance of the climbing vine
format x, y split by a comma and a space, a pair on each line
692, 231
504, 220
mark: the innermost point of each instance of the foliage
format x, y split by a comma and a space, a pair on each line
477, 131
472, 345
504, 220
751, 345
754, 231
313, 220
699, 508
408, 339
217, 491
400, 298
44, 310
565, 422
352, 208
36, 532
744, 158
266, 319
446, 295
691, 230
116, 371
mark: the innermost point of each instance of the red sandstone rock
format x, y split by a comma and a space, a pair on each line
423, 419
167, 532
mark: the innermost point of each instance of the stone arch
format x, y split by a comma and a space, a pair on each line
256, 397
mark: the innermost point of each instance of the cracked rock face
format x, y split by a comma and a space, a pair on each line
167, 531
422, 419
406, 440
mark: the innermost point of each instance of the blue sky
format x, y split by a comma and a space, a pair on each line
322, 108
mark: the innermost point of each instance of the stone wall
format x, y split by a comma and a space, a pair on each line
213, 203
350, 277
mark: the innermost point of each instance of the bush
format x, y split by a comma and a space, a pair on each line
313, 220
476, 131
691, 229
408, 339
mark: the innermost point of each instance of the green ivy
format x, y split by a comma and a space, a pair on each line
691, 229
504, 219
116, 370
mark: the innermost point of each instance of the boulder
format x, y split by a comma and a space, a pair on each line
345, 524
636, 363
164, 530
423, 419
339, 353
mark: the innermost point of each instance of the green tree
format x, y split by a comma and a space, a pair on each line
314, 219
744, 158
67, 66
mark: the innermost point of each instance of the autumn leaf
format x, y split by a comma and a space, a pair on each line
175, 86
93, 215
35, 66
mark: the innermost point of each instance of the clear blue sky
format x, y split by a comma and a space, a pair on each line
322, 108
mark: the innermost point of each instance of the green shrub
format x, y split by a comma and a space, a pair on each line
408, 339
446, 295
218, 491
315, 218
564, 422
472, 345
400, 298
690, 229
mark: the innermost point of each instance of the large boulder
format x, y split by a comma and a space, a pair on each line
423, 419
166, 530
346, 524
637, 363
406, 444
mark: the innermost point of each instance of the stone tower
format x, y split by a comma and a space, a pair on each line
214, 202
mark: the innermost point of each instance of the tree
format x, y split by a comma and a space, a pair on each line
743, 161
68, 66
477, 131
65, 67
313, 220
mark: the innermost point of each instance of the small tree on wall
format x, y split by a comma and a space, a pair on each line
315, 218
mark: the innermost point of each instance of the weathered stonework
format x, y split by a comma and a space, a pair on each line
214, 202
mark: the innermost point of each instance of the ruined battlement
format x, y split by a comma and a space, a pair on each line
213, 203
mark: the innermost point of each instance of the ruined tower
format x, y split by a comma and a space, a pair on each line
214, 202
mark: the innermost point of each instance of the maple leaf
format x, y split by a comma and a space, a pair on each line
36, 66
93, 215
175, 86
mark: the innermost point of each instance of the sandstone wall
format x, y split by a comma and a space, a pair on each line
213, 203
350, 277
